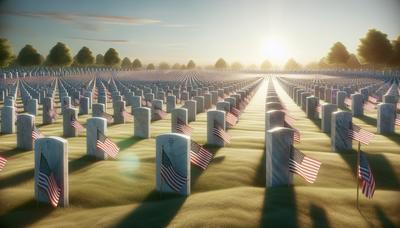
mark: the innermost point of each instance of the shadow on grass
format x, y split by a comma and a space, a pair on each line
385, 221
384, 174
394, 137
368, 120
16, 179
25, 214
279, 208
259, 179
81, 163
318, 216
126, 143
154, 211
13, 152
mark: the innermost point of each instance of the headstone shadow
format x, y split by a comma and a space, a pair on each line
318, 216
17, 178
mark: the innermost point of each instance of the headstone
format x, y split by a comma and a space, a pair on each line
341, 96
215, 117
312, 103
341, 123
94, 126
303, 101
279, 146
9, 101
178, 113
223, 106
8, 118
386, 118
207, 101
69, 115
65, 103
326, 116
214, 97
357, 105
142, 122
84, 106
199, 104
191, 107
119, 108
102, 100
32, 107
47, 107
136, 102
389, 99
173, 150
98, 110
156, 105
54, 152
25, 123
171, 102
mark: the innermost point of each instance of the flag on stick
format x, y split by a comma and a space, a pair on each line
105, 145
168, 173
36, 134
75, 124
183, 128
304, 166
360, 135
199, 156
231, 119
367, 181
3, 162
397, 120
221, 133
48, 183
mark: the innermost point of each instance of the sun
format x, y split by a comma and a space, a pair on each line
274, 50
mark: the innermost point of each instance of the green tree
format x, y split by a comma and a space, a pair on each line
191, 65
183, 67
236, 66
375, 48
291, 64
266, 65
163, 66
353, 62
221, 64
176, 66
84, 57
60, 55
150, 67
395, 60
111, 57
126, 63
136, 64
28, 56
6, 53
338, 54
99, 59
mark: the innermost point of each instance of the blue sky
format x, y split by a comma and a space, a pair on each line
204, 30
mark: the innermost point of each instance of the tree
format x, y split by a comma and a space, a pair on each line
84, 57
375, 48
136, 64
191, 65
221, 64
338, 54
291, 64
6, 53
111, 57
236, 66
99, 59
176, 66
322, 63
28, 56
126, 63
150, 67
183, 67
60, 55
395, 60
163, 66
353, 62
266, 65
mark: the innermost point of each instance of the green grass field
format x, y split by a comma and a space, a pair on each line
230, 193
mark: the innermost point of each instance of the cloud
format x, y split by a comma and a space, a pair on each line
101, 40
85, 21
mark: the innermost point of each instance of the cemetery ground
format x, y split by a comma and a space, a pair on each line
231, 192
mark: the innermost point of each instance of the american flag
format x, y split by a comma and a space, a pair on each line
304, 166
367, 181
160, 113
397, 120
231, 119
369, 106
235, 111
105, 145
347, 101
182, 127
108, 117
296, 134
398, 106
288, 119
220, 133
125, 114
359, 134
372, 99
76, 101
318, 109
36, 134
3, 162
168, 173
75, 124
48, 183
199, 156
148, 103
53, 114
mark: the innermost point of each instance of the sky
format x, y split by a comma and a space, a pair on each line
247, 31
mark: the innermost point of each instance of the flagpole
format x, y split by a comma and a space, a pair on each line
357, 171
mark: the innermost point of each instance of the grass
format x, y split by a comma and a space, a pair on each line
231, 192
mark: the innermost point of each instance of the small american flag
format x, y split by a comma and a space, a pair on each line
183, 128
221, 133
296, 134
36, 134
372, 99
76, 102
347, 101
288, 119
159, 113
304, 166
53, 114
235, 111
108, 117
359, 134
367, 181
199, 156
75, 124
3, 162
369, 106
48, 183
168, 173
318, 109
397, 120
231, 119
105, 145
